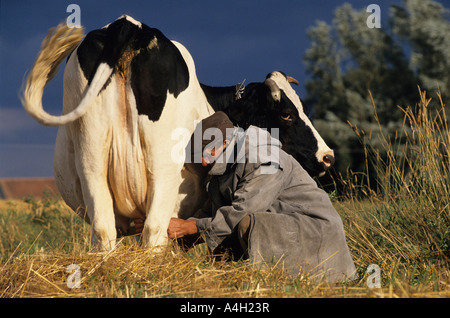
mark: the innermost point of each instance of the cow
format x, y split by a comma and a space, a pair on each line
126, 89
275, 104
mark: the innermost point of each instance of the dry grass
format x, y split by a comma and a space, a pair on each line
131, 271
402, 225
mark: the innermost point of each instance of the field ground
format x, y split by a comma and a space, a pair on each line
39, 240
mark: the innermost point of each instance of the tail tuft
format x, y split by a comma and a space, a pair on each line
57, 45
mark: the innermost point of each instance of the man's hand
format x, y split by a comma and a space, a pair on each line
179, 228
139, 225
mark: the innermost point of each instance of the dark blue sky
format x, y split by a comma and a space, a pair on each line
229, 40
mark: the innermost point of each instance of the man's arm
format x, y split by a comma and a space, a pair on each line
255, 193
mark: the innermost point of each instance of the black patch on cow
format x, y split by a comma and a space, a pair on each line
299, 141
220, 98
155, 69
90, 52
257, 107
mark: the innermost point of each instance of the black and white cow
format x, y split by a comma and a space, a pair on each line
126, 89
275, 104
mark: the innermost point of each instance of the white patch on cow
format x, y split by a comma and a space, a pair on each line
135, 22
283, 84
139, 24
126, 167
182, 136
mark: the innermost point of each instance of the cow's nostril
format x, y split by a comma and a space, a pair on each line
328, 160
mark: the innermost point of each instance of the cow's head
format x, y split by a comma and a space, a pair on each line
275, 104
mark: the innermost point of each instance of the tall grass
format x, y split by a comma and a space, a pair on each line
403, 222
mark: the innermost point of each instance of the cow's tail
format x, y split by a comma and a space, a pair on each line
57, 45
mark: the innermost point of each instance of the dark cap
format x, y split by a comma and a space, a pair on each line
217, 120
199, 140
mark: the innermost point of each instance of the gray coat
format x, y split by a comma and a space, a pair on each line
292, 220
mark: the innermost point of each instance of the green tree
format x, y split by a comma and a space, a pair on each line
424, 26
347, 59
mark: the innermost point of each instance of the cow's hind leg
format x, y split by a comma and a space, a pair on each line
100, 210
66, 176
162, 198
92, 167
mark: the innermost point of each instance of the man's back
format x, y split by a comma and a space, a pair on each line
291, 218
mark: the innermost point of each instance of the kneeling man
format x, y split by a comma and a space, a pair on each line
264, 202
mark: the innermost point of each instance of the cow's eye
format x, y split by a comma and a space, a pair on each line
286, 116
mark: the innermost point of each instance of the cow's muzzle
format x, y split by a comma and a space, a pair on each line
328, 160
